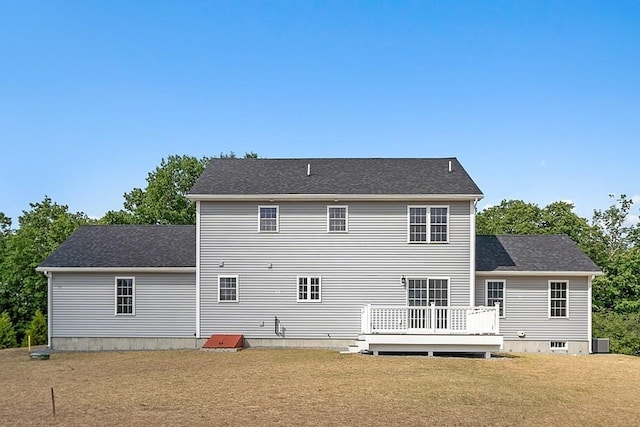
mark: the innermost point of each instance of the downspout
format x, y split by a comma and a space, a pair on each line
472, 252
197, 332
589, 313
49, 306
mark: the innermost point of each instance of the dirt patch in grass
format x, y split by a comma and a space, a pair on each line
316, 387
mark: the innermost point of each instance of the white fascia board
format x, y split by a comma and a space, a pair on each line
538, 273
331, 197
117, 269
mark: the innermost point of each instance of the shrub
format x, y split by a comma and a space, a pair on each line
7, 334
37, 330
622, 329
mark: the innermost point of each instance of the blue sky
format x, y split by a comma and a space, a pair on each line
539, 100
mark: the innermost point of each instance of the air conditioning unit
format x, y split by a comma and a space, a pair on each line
600, 345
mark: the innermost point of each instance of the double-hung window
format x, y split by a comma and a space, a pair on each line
309, 289
227, 288
268, 219
125, 295
438, 224
495, 294
558, 298
337, 219
428, 224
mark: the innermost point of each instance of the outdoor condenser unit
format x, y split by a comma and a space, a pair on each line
600, 345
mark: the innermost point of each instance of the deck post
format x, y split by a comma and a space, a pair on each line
365, 319
433, 317
497, 321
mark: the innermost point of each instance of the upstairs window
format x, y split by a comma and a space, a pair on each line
438, 224
495, 294
417, 224
558, 299
268, 219
125, 295
337, 219
308, 289
428, 224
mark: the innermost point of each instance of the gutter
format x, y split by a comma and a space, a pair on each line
333, 197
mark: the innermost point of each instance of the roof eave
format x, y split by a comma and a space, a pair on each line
45, 269
503, 273
330, 197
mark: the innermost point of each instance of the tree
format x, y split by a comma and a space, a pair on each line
613, 232
519, 217
7, 334
622, 329
37, 330
41, 229
509, 217
164, 200
5, 231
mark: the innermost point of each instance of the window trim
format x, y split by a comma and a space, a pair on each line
346, 218
504, 295
428, 224
277, 208
133, 295
308, 299
229, 276
566, 282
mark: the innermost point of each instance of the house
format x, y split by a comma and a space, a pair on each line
368, 254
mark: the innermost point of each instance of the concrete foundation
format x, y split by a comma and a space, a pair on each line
123, 344
181, 343
337, 344
543, 346
172, 343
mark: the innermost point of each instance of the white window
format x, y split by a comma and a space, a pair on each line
309, 289
417, 224
438, 224
558, 298
495, 294
558, 345
428, 224
227, 288
125, 295
268, 219
337, 219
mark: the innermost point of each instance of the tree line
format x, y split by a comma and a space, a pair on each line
608, 238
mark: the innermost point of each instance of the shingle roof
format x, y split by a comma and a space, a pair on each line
335, 176
127, 246
133, 246
543, 252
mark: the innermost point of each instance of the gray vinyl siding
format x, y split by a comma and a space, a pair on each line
362, 266
527, 308
83, 305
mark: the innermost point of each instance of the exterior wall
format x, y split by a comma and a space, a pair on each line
527, 310
362, 266
83, 305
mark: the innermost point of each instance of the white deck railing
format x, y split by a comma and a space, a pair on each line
387, 319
